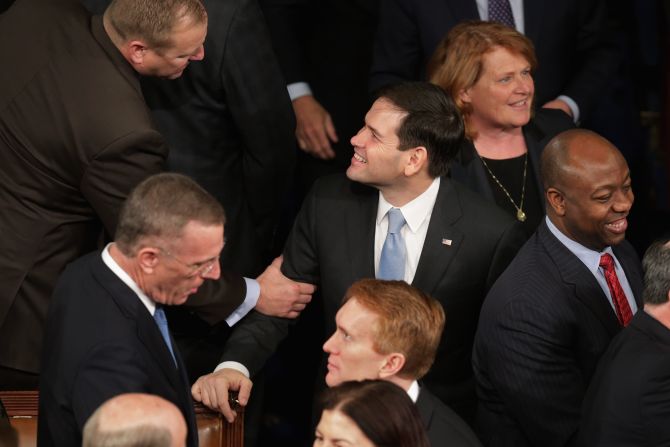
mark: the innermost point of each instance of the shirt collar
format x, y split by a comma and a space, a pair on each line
590, 258
415, 211
413, 391
127, 280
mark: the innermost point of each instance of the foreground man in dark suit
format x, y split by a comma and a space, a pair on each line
390, 330
627, 402
103, 336
457, 243
551, 315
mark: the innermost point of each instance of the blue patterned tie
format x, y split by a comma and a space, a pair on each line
500, 11
392, 261
161, 321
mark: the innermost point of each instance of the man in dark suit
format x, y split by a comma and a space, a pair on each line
75, 137
626, 403
390, 330
575, 57
106, 331
456, 242
569, 291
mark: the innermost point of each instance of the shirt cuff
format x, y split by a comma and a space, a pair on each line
233, 365
574, 108
298, 89
250, 300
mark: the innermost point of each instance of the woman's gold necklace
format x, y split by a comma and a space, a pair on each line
520, 215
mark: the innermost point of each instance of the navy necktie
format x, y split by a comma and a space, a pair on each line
500, 11
161, 321
392, 261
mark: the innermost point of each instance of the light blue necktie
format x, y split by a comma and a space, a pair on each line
392, 261
161, 321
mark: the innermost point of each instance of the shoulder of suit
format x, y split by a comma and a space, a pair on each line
473, 203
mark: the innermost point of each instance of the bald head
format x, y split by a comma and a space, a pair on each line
587, 187
136, 419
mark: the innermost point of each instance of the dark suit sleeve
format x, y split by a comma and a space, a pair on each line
506, 249
256, 337
258, 100
286, 19
117, 169
535, 372
397, 52
109, 370
596, 55
655, 410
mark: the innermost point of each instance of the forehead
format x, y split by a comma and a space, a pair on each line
501, 59
338, 425
187, 34
354, 317
595, 164
384, 113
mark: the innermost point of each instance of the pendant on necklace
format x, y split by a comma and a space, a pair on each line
520, 215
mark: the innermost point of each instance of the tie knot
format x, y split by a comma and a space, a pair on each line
396, 220
607, 262
159, 315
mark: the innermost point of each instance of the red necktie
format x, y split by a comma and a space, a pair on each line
621, 305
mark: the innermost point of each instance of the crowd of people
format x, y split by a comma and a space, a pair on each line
430, 194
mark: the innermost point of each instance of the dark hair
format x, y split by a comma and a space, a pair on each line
656, 265
160, 207
432, 121
382, 410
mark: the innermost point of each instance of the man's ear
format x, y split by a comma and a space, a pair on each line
556, 200
418, 158
393, 364
136, 51
147, 258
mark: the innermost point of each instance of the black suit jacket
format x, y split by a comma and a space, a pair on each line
101, 341
444, 427
575, 56
328, 44
627, 401
75, 138
543, 327
469, 170
468, 244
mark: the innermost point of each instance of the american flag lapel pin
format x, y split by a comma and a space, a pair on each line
446, 242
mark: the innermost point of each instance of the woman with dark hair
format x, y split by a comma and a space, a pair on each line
371, 413
487, 69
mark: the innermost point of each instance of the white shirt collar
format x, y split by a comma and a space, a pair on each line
127, 280
413, 391
590, 258
415, 211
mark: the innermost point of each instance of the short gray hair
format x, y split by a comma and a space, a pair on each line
656, 265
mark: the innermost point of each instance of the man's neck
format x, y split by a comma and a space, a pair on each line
402, 383
401, 195
660, 312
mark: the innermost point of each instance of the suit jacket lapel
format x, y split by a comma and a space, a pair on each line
631, 267
574, 272
468, 169
442, 239
360, 231
147, 330
534, 141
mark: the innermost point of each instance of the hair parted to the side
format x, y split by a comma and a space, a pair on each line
432, 120
152, 21
656, 265
382, 410
458, 61
160, 207
409, 322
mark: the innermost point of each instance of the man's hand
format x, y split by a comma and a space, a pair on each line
560, 105
315, 129
212, 390
280, 296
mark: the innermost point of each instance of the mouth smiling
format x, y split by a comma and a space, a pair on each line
619, 226
360, 158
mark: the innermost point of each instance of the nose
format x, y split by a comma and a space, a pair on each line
624, 201
356, 139
199, 55
329, 345
525, 84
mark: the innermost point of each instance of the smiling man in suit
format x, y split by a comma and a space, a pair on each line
106, 330
570, 290
453, 244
